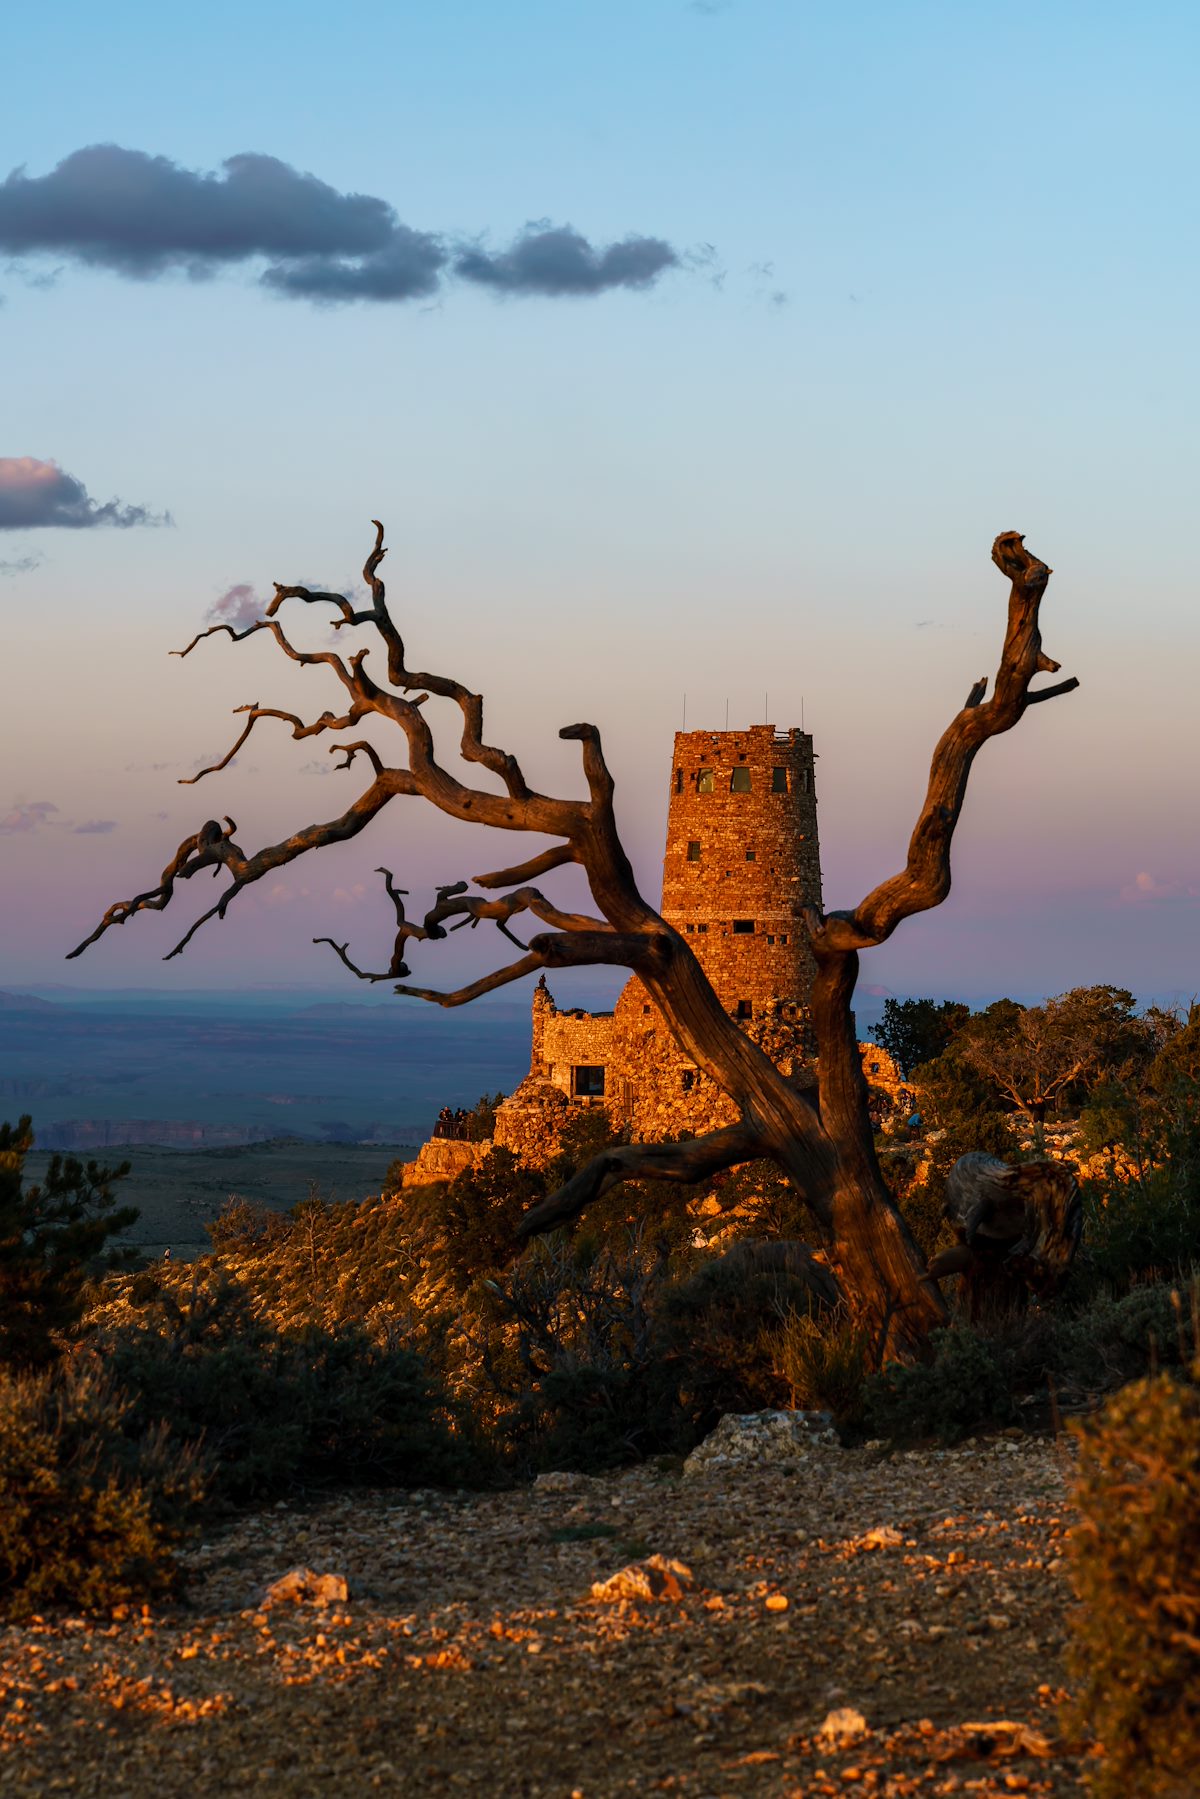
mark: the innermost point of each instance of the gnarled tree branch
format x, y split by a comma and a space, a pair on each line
696, 1159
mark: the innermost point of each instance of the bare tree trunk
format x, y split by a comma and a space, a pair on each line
822, 1140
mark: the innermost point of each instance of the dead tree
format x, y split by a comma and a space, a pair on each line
821, 1139
1018, 1227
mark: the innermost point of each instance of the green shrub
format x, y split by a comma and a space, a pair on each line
270, 1409
88, 1515
962, 1389
247, 1227
1135, 1654
826, 1363
720, 1326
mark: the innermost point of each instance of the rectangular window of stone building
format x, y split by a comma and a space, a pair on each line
739, 781
745, 1009
704, 781
752, 855
804, 780
743, 927
587, 1081
689, 1079
693, 851
779, 780
679, 780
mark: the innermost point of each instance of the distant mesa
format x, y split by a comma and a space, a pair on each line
24, 1002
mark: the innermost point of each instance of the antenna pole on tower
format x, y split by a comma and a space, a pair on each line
727, 715
684, 712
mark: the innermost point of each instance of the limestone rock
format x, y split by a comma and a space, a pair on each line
843, 1727
655, 1578
761, 1439
560, 1481
304, 1586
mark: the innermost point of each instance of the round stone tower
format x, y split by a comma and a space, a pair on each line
742, 861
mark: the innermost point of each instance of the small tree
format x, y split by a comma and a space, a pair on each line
1036, 1056
820, 1137
52, 1238
914, 1031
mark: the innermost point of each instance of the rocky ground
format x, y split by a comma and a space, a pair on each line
852, 1622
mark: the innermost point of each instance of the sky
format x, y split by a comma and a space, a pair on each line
684, 349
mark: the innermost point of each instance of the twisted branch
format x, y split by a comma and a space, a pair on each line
694, 1160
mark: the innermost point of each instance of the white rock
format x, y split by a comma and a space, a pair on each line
762, 1439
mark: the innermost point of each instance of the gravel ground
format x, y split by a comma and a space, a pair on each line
923, 1591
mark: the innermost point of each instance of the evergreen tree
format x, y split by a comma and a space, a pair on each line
52, 1238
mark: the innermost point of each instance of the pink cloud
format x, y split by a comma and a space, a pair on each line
1145, 888
238, 606
27, 817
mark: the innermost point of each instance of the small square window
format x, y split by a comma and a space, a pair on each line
745, 1009
770, 939
700, 929
743, 927
693, 851
779, 780
783, 939
739, 780
588, 1082
691, 927
752, 855
704, 781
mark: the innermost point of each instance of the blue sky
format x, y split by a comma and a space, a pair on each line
936, 277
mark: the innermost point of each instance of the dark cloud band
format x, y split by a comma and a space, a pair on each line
35, 495
143, 216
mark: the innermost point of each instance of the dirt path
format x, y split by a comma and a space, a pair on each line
472, 1657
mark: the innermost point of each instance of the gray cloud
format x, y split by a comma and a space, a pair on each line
26, 817
95, 827
138, 214
409, 268
35, 495
20, 565
556, 259
142, 216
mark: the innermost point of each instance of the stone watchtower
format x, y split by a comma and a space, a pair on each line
742, 861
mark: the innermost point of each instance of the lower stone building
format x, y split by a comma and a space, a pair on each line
742, 863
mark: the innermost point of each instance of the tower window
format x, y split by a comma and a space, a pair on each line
679, 780
779, 780
745, 1009
783, 939
752, 855
739, 781
700, 929
743, 927
693, 851
805, 781
689, 1079
587, 1081
770, 938
704, 781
